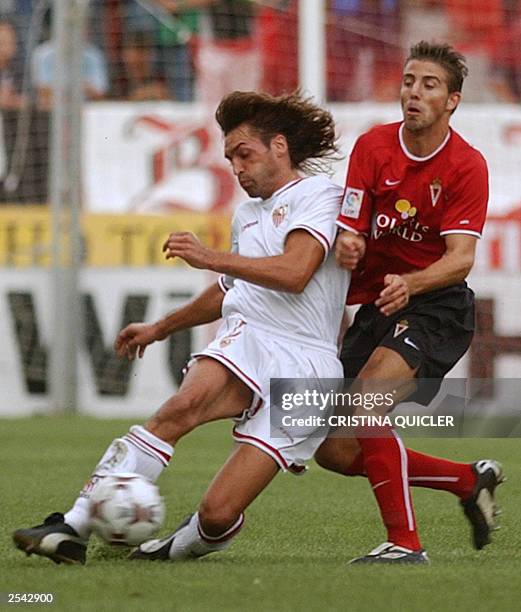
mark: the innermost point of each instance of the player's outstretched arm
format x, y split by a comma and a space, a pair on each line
289, 272
450, 269
205, 308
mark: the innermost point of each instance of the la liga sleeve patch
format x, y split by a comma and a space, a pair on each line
352, 202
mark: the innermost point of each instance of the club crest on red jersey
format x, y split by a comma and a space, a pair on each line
435, 189
279, 214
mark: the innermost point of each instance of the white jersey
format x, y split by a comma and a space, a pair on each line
260, 229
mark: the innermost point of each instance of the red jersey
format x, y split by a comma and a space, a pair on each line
405, 205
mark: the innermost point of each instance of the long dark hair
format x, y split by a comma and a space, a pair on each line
308, 129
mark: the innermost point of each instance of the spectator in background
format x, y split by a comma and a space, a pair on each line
278, 39
222, 36
423, 20
476, 27
140, 79
18, 13
506, 60
25, 154
176, 46
477, 23
11, 97
171, 24
227, 57
364, 53
13, 7
93, 67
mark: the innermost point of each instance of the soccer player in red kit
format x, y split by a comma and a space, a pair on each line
413, 209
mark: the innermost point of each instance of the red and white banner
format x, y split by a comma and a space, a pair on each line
163, 156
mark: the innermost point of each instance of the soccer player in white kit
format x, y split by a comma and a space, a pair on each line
281, 297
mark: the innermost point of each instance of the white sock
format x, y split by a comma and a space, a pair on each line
139, 451
78, 516
191, 541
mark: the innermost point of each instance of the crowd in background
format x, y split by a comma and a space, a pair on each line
199, 50
187, 50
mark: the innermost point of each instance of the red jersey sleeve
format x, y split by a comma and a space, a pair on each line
357, 205
466, 206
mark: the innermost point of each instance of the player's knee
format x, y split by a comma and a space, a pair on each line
217, 516
373, 368
326, 459
338, 455
334, 462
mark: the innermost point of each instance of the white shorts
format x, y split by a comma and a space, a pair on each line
255, 354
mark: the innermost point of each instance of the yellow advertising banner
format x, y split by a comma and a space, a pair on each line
117, 240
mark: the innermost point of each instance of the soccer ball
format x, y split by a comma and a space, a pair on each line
126, 509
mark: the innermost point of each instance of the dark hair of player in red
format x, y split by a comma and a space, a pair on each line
448, 58
308, 129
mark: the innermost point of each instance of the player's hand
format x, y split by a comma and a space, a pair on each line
394, 296
188, 247
349, 250
133, 340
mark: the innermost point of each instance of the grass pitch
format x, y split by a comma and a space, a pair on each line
292, 552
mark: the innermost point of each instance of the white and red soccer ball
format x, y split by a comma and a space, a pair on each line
126, 509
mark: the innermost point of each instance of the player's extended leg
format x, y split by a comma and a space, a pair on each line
246, 473
208, 392
474, 483
385, 462
343, 455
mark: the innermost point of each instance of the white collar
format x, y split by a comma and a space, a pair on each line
421, 159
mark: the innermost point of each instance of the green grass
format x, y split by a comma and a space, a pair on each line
292, 553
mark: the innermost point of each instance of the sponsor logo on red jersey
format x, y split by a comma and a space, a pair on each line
406, 225
406, 209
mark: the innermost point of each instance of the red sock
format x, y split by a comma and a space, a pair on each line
385, 462
431, 472
436, 473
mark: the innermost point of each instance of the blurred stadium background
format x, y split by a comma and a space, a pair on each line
107, 143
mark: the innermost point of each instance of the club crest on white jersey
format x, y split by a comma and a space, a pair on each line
279, 214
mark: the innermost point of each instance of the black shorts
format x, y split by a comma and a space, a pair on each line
431, 333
